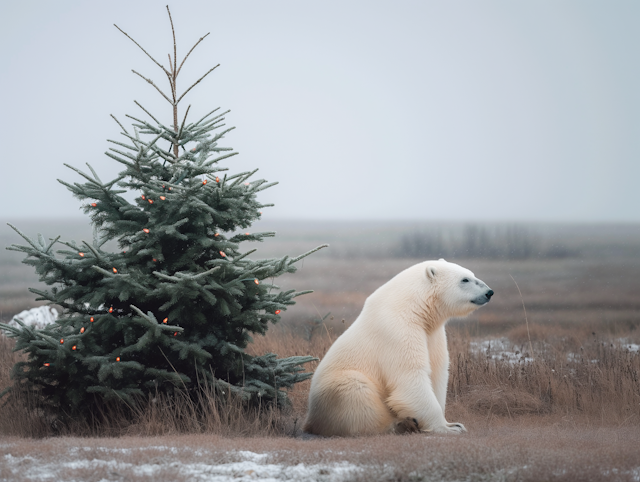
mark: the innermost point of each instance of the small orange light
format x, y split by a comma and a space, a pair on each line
94, 204
193, 150
260, 213
61, 341
165, 320
150, 201
143, 197
117, 358
247, 234
217, 179
175, 334
170, 188
154, 260
124, 252
111, 310
47, 364
91, 319
145, 230
82, 330
216, 235
163, 185
162, 198
246, 183
73, 348
81, 255
256, 281
222, 254
115, 270
277, 312
204, 182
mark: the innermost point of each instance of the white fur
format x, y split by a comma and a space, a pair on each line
391, 367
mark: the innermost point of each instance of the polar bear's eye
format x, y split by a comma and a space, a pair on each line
465, 280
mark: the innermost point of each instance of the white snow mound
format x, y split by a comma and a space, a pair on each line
37, 317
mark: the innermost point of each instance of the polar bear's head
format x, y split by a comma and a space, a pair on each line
458, 290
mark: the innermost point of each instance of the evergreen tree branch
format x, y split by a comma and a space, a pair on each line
196, 83
156, 87
95, 174
110, 184
238, 258
214, 110
121, 126
110, 274
148, 113
112, 156
189, 53
218, 159
300, 293
132, 148
262, 188
183, 121
86, 176
140, 47
95, 252
298, 258
173, 32
25, 237
242, 177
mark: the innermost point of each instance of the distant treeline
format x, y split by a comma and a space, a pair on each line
511, 241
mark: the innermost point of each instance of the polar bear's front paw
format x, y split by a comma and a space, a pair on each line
456, 427
448, 428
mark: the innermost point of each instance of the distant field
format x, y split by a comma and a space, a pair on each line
596, 286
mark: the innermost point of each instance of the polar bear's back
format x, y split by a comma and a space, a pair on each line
375, 337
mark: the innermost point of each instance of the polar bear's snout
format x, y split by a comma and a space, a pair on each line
484, 298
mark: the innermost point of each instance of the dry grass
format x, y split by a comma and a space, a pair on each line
570, 375
588, 378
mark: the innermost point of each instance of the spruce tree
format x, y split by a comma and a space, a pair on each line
174, 303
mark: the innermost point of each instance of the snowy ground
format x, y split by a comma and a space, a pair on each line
503, 349
129, 464
509, 451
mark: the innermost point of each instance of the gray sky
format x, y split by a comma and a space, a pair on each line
460, 110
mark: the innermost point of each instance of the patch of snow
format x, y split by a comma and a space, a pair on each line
632, 347
252, 467
499, 349
252, 455
37, 317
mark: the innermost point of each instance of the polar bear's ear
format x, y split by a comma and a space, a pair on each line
431, 272
442, 259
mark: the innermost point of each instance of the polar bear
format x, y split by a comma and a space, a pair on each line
388, 371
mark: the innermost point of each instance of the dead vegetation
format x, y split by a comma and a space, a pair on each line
569, 375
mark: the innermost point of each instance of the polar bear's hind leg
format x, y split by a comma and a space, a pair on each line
349, 405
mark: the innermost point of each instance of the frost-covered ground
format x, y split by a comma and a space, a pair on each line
490, 451
107, 463
503, 349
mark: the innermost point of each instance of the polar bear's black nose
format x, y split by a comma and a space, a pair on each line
489, 294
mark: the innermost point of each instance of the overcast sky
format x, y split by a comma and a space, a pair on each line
475, 111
